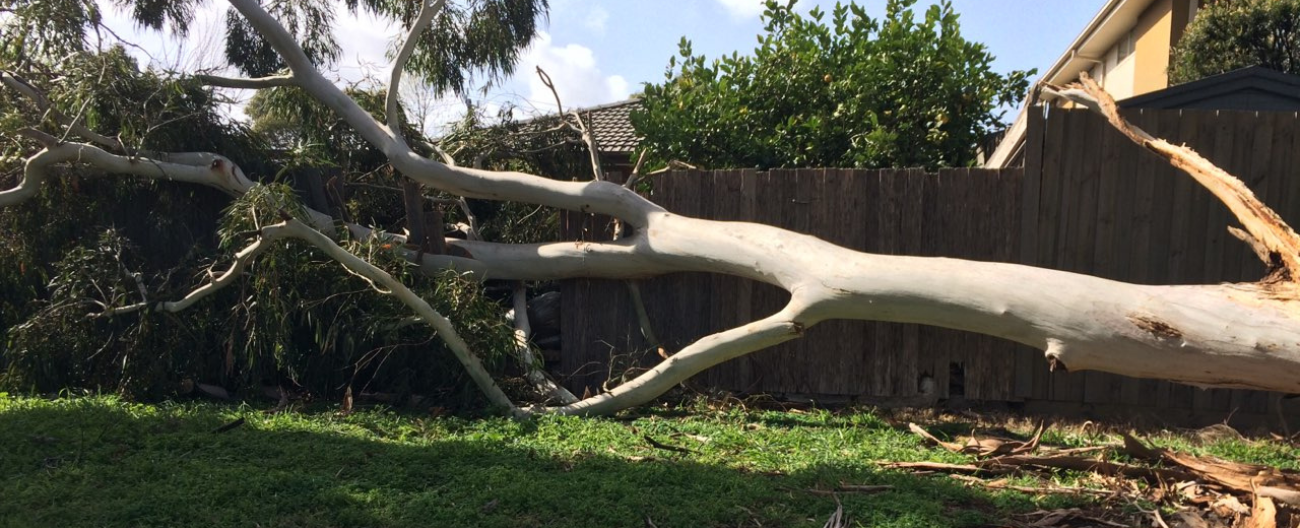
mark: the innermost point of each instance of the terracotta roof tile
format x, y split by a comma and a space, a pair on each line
612, 127
610, 123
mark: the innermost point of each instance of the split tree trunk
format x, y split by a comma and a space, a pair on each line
1230, 335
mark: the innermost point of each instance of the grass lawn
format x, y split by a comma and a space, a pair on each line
102, 462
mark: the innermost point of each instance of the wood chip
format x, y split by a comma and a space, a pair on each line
1263, 515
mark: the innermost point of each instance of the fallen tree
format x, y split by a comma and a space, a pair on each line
1226, 335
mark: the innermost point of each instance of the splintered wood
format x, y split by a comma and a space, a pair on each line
1276, 244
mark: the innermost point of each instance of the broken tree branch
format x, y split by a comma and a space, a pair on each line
392, 105
531, 363
357, 265
43, 103
1264, 225
259, 83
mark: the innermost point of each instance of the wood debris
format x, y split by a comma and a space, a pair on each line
1202, 491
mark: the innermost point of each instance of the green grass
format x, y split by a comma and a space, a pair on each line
102, 462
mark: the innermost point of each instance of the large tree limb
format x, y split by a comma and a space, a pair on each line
1244, 335
707, 352
593, 197
392, 105
1265, 227
1226, 336
204, 169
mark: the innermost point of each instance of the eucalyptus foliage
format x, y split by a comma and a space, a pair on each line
470, 40
1226, 36
91, 241
845, 91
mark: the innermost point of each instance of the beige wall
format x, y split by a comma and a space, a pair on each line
1139, 63
1115, 71
1153, 35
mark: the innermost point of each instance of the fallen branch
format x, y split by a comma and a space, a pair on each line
1002, 484
1248, 479
247, 84
986, 447
392, 107
1265, 226
847, 488
229, 426
530, 362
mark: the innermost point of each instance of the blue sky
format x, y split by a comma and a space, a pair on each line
600, 51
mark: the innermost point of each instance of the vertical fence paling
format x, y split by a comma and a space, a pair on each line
1087, 201
881, 211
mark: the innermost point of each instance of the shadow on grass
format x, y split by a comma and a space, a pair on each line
95, 463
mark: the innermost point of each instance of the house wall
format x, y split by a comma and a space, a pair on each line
1115, 69
1154, 32
1138, 62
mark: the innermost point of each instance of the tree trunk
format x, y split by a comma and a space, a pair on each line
1229, 335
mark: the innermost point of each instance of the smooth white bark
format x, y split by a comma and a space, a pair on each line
391, 286
204, 169
532, 365
1244, 335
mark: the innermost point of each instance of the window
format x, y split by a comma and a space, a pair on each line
1126, 45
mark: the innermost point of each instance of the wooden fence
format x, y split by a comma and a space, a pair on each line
1106, 207
957, 213
1087, 201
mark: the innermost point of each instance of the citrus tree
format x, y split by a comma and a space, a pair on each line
846, 90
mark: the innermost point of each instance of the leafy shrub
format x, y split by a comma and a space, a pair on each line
854, 92
1229, 35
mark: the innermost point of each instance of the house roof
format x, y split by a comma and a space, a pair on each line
1114, 20
610, 124
612, 127
1110, 24
1253, 88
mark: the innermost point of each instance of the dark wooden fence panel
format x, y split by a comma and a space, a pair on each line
880, 211
1087, 201
1107, 208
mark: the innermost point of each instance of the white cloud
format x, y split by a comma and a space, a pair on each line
743, 9
364, 40
573, 69
596, 19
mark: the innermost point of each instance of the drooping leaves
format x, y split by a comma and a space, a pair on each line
469, 39
44, 29
310, 21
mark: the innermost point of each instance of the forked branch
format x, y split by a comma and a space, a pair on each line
392, 106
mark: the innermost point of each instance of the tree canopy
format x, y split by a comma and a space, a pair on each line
479, 39
127, 277
1226, 36
848, 91
90, 239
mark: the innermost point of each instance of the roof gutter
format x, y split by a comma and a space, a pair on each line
1015, 138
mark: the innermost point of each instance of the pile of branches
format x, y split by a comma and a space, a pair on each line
1193, 491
